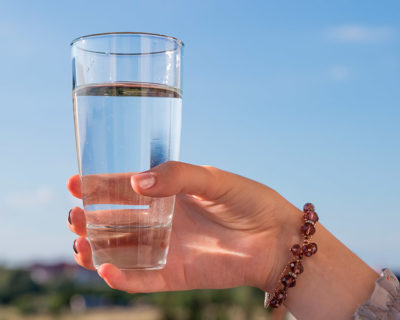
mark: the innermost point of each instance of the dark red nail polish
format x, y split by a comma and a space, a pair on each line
73, 246
69, 217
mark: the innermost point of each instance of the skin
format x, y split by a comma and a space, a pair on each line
228, 231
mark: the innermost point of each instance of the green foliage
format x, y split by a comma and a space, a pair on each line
26, 304
15, 283
206, 304
56, 302
54, 296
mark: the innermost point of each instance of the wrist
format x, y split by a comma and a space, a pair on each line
271, 261
289, 235
336, 272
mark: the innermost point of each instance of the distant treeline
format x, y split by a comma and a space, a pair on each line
69, 288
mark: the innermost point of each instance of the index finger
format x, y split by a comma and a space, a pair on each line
110, 188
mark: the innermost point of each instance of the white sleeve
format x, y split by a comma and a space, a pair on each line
384, 303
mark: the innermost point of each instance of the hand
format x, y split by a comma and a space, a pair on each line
227, 230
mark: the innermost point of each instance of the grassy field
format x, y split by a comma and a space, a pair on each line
137, 313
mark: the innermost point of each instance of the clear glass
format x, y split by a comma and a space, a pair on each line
127, 100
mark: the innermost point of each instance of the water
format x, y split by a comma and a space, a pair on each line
145, 248
123, 128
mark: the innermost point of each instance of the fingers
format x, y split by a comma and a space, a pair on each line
118, 217
114, 277
173, 177
106, 189
83, 253
77, 221
74, 186
167, 179
82, 250
133, 281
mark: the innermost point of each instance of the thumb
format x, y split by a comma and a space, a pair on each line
172, 177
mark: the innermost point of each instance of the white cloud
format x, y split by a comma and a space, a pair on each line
39, 197
360, 34
339, 73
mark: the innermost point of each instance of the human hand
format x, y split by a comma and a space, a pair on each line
227, 230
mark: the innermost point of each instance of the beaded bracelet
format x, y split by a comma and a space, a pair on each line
288, 280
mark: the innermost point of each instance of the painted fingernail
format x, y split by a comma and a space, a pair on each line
144, 180
74, 247
69, 217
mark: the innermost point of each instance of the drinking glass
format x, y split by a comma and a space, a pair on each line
127, 103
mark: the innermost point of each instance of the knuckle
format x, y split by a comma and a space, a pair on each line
215, 173
211, 169
218, 182
174, 168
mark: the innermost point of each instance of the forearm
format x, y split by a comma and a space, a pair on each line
334, 284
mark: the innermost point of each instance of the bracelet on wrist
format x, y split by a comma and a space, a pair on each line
294, 268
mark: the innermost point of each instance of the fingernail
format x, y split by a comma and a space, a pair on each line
69, 217
144, 180
74, 247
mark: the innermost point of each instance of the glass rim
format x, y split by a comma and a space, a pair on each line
179, 43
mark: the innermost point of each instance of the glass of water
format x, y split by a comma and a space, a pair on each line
127, 103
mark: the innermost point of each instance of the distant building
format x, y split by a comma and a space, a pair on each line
42, 273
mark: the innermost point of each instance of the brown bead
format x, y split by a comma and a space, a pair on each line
275, 303
307, 229
281, 295
311, 215
308, 207
306, 250
313, 247
288, 281
309, 249
296, 267
296, 250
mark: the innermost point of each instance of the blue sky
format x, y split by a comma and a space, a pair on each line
301, 96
